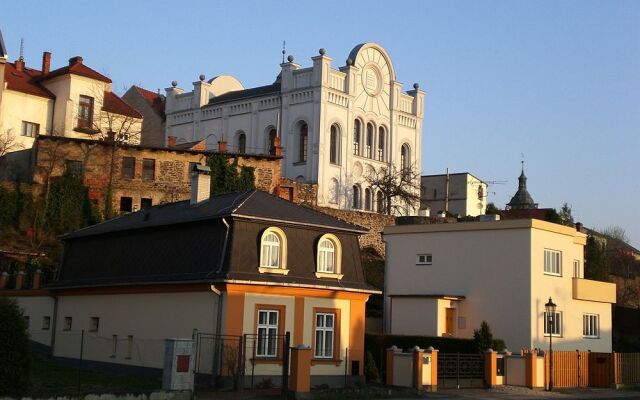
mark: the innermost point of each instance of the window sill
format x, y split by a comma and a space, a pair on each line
86, 130
329, 275
300, 163
591, 337
267, 270
554, 335
326, 361
552, 274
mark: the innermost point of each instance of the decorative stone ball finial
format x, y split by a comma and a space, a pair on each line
349, 62
174, 83
416, 86
290, 58
202, 77
322, 51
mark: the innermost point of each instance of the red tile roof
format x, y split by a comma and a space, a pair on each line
76, 67
25, 81
156, 101
113, 103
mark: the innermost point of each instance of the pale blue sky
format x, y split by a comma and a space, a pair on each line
556, 80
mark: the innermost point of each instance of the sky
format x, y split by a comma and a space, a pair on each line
555, 82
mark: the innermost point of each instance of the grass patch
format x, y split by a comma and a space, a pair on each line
51, 379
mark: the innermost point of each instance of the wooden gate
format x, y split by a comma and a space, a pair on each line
570, 369
600, 370
627, 368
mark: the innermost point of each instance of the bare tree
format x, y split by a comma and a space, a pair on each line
9, 142
399, 187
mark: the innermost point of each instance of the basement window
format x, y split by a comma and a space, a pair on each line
95, 324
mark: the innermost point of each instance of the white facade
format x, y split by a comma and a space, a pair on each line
314, 112
494, 272
460, 194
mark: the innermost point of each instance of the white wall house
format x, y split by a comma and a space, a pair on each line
445, 279
335, 125
459, 193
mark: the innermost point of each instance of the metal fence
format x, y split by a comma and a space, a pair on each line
460, 370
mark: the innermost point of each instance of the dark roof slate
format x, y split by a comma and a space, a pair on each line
246, 93
252, 204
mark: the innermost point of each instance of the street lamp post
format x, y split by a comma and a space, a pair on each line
550, 307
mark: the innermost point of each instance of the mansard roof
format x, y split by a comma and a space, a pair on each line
253, 204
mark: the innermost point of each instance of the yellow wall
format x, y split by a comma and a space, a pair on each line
18, 107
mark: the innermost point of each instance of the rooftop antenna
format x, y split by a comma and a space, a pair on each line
21, 49
284, 46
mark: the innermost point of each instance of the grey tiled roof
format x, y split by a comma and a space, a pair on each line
246, 93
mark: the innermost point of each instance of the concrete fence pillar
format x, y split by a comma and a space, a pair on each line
300, 372
531, 368
433, 387
389, 376
4, 280
20, 280
417, 367
490, 368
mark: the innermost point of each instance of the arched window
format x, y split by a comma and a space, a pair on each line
367, 199
334, 191
405, 161
329, 257
357, 136
272, 141
242, 143
356, 197
382, 136
380, 206
326, 256
304, 140
369, 140
334, 144
273, 251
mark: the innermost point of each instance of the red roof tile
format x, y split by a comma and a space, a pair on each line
113, 103
76, 67
156, 101
25, 81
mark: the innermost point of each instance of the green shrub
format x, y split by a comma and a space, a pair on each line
15, 355
370, 368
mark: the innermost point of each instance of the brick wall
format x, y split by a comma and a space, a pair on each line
170, 181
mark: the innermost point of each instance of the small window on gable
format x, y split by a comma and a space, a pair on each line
273, 251
424, 259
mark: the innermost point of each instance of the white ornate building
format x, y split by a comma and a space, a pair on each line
334, 125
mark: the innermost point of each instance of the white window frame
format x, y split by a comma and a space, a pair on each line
577, 271
427, 259
95, 324
557, 324
269, 333
271, 250
30, 129
552, 257
322, 330
327, 256
590, 326
322, 254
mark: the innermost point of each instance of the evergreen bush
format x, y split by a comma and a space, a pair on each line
15, 354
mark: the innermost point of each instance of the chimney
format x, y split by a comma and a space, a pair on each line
579, 227
171, 141
19, 280
200, 183
37, 279
278, 148
75, 60
19, 64
46, 62
222, 146
4, 279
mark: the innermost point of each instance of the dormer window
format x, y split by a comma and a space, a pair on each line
85, 112
329, 257
273, 251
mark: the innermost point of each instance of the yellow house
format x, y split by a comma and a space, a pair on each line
73, 100
445, 279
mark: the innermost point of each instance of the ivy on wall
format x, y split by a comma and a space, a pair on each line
227, 176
